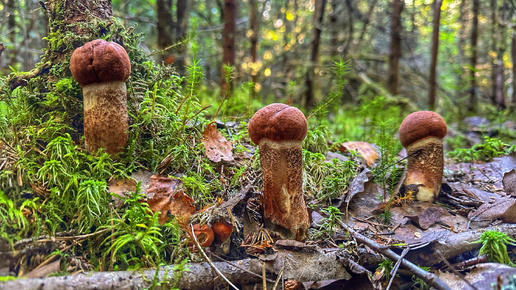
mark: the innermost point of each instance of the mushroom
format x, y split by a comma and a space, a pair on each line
204, 235
101, 68
421, 133
279, 130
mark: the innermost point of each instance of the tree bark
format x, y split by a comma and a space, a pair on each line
395, 46
472, 105
311, 75
435, 50
228, 54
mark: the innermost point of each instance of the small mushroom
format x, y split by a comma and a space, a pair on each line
204, 234
279, 130
101, 68
222, 231
421, 133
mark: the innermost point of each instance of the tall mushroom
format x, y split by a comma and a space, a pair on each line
278, 130
102, 68
421, 133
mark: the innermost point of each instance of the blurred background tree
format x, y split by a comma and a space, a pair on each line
280, 43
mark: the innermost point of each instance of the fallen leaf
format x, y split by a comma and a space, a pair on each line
503, 208
366, 150
428, 217
164, 196
216, 146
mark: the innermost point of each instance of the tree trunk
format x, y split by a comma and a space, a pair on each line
499, 92
228, 55
165, 26
395, 46
11, 28
472, 105
435, 50
181, 24
254, 40
314, 55
513, 57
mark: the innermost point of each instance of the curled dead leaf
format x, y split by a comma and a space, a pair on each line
366, 150
216, 146
165, 196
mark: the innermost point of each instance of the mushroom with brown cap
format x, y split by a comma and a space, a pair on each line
421, 133
101, 68
279, 130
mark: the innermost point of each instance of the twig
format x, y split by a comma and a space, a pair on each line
278, 279
208, 259
238, 267
397, 266
429, 278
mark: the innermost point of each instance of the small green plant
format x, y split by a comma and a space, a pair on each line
485, 151
386, 266
136, 238
494, 245
419, 283
330, 223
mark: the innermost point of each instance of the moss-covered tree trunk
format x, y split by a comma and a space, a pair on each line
69, 23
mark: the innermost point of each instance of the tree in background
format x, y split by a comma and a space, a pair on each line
312, 71
228, 54
472, 105
435, 51
395, 47
171, 34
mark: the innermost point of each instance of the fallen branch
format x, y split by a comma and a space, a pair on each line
428, 277
317, 265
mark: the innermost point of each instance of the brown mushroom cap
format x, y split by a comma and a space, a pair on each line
420, 125
100, 61
278, 122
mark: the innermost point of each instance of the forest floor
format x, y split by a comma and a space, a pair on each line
363, 248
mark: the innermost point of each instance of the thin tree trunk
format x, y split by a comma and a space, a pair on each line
254, 40
181, 24
11, 28
472, 105
367, 21
165, 25
395, 46
500, 49
435, 50
314, 55
513, 57
228, 55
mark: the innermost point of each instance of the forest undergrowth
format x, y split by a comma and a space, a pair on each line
52, 188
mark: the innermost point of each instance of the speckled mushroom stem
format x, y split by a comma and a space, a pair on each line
425, 168
105, 116
283, 203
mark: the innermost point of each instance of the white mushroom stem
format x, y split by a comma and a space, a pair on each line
105, 116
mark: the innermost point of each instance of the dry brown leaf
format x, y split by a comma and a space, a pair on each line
164, 196
216, 146
366, 150
428, 217
503, 208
